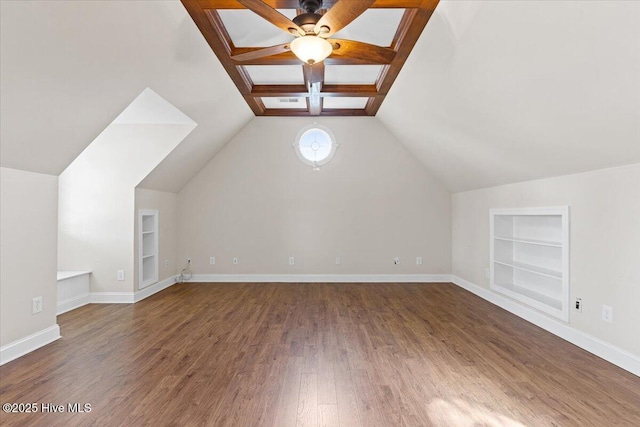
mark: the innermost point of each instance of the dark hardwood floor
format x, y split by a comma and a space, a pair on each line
315, 355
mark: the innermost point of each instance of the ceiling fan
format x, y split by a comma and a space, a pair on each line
312, 31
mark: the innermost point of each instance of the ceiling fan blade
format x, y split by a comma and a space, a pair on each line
261, 53
313, 74
270, 14
341, 14
361, 51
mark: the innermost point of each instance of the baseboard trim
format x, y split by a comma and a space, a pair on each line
72, 303
28, 344
321, 278
112, 297
131, 297
155, 288
619, 357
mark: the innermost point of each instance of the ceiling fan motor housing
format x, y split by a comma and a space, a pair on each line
311, 6
307, 21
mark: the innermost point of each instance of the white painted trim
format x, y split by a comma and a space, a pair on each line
155, 288
112, 297
72, 303
28, 344
322, 278
130, 297
619, 357
63, 275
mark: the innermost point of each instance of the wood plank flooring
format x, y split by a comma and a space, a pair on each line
315, 355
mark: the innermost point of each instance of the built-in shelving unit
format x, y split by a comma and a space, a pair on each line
530, 257
148, 248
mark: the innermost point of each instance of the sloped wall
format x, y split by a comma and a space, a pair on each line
257, 201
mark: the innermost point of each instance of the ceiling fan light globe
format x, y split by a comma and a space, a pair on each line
311, 49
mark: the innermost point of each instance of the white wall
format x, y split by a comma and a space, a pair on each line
257, 201
97, 199
28, 246
604, 236
166, 204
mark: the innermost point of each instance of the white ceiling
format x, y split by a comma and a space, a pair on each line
498, 92
70, 67
494, 92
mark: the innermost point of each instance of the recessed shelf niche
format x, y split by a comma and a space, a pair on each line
530, 257
148, 248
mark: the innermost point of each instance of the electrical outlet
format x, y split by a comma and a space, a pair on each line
188, 260
607, 314
235, 260
418, 260
396, 260
36, 305
578, 305
338, 261
212, 260
166, 263
120, 274
292, 260
487, 273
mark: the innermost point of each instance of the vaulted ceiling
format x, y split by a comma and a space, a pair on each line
493, 92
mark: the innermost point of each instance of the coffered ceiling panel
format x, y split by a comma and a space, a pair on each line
352, 74
345, 102
285, 102
374, 26
275, 74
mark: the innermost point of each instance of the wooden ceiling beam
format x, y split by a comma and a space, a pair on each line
299, 112
284, 91
357, 91
295, 4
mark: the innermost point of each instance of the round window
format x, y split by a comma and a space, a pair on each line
315, 145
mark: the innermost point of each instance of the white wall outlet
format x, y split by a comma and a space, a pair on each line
396, 260
166, 263
292, 260
418, 260
120, 275
607, 314
36, 305
212, 260
487, 273
188, 260
338, 261
235, 260
578, 305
